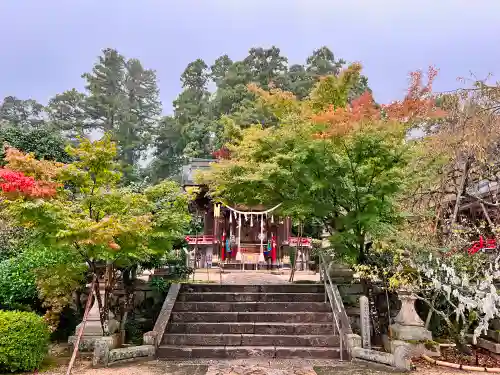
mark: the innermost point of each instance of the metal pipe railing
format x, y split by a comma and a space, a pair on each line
340, 318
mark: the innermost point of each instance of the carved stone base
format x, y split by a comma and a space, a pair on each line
406, 332
416, 349
87, 343
93, 327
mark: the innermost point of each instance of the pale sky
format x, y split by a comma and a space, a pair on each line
48, 44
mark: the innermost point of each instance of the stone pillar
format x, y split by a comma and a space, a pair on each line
93, 330
364, 306
408, 325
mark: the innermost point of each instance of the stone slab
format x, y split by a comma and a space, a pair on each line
244, 352
265, 288
493, 347
285, 317
235, 352
251, 297
493, 335
208, 317
210, 328
251, 307
202, 339
121, 354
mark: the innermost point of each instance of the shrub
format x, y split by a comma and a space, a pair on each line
24, 340
18, 275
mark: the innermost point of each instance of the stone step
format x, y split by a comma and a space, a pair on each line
252, 306
266, 288
251, 297
180, 339
253, 328
220, 317
350, 289
353, 311
234, 352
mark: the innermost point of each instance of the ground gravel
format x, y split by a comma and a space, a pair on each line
241, 367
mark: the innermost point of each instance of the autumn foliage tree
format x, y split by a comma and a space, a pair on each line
343, 163
106, 227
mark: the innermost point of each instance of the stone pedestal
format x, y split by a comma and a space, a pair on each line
408, 325
93, 330
408, 329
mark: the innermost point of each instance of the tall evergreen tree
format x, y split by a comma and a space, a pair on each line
67, 113
123, 99
21, 113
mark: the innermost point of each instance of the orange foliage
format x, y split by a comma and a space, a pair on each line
45, 170
419, 104
113, 245
26, 176
340, 121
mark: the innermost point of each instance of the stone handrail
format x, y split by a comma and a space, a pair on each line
155, 336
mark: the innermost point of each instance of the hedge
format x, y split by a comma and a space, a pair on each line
24, 341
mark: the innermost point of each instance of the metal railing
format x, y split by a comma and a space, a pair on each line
341, 321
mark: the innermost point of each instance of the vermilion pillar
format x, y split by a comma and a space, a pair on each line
273, 250
223, 247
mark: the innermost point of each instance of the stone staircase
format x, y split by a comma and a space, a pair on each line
242, 321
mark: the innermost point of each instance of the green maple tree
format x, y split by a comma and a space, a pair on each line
340, 163
107, 227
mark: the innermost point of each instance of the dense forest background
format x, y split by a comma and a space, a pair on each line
121, 97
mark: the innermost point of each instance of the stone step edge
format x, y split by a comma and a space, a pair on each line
183, 293
318, 348
257, 323
247, 351
246, 335
249, 302
246, 339
250, 285
252, 313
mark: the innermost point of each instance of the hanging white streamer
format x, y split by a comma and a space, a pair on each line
254, 212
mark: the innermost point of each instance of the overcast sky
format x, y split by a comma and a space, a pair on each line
48, 44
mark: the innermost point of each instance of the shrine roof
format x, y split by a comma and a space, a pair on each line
189, 170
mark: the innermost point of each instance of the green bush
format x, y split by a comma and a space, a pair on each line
24, 340
18, 275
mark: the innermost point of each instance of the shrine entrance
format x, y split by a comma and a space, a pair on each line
236, 238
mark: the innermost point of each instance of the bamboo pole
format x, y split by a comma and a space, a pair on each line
82, 327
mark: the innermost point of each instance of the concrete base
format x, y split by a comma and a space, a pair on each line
87, 343
416, 349
408, 332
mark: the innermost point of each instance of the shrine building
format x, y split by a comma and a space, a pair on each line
239, 237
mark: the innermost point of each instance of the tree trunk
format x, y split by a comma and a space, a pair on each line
460, 192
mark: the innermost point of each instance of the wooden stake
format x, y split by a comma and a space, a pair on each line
82, 327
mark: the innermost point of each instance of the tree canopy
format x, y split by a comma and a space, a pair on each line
342, 162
